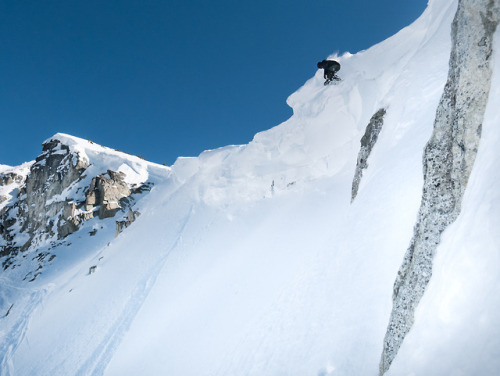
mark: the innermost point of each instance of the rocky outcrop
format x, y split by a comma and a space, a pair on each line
10, 178
48, 206
106, 193
121, 225
71, 219
31, 215
368, 141
54, 171
448, 160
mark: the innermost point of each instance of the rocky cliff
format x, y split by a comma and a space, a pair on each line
448, 159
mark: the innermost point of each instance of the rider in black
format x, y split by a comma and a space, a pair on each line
331, 67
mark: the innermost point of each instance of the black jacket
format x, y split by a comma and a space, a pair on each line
329, 65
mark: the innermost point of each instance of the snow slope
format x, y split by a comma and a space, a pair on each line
251, 260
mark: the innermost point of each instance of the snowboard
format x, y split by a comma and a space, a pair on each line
334, 80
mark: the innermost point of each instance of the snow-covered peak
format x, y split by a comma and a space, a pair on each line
70, 183
84, 146
101, 158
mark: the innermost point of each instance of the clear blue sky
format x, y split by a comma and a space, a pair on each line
169, 78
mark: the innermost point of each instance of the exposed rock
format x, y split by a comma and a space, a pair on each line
368, 141
120, 225
69, 210
448, 160
70, 221
42, 210
36, 204
10, 177
106, 192
53, 172
8, 311
44, 201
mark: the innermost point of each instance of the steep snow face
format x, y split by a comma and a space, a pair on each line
251, 259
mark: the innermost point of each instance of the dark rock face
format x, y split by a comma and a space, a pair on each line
36, 205
53, 172
368, 141
448, 160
